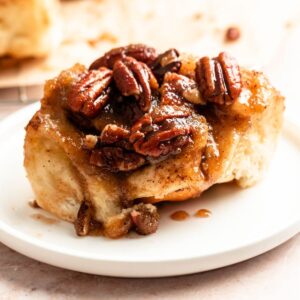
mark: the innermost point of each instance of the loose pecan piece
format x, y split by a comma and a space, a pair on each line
177, 89
145, 218
118, 225
116, 159
160, 135
166, 62
84, 216
134, 78
90, 93
140, 52
219, 79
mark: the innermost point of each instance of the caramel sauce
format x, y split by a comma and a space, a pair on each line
96, 229
179, 215
44, 219
203, 213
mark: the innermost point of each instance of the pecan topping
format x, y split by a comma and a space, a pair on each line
140, 52
145, 218
116, 136
164, 112
90, 93
177, 89
116, 159
160, 134
146, 121
84, 216
164, 142
166, 62
232, 75
219, 79
134, 78
113, 133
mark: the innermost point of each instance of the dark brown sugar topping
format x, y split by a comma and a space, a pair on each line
141, 108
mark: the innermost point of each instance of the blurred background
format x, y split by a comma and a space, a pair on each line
39, 38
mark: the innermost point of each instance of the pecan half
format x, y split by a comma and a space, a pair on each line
219, 79
232, 75
166, 62
145, 218
90, 93
116, 159
177, 89
140, 52
134, 78
156, 134
84, 216
164, 142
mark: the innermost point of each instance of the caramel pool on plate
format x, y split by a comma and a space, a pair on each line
203, 213
179, 215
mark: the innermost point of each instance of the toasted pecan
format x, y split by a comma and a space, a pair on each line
219, 79
90, 93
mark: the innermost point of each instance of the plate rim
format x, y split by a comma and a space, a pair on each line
116, 267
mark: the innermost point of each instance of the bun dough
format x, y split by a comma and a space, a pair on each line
28, 28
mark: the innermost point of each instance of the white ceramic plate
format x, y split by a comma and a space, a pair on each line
244, 223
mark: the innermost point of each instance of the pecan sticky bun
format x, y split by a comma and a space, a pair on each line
139, 127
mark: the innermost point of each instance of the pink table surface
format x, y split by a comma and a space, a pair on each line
273, 275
